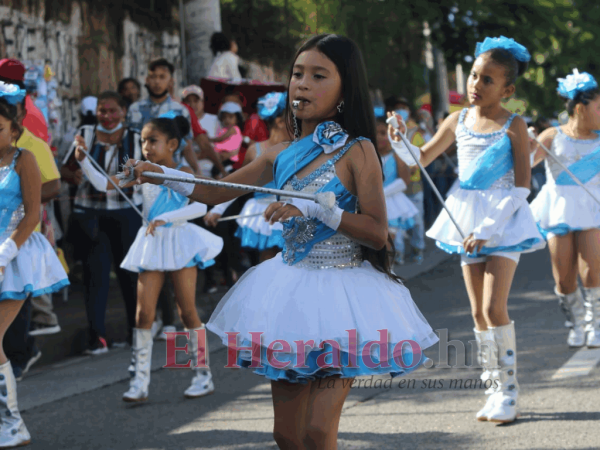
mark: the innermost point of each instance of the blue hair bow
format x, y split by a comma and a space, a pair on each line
271, 105
379, 111
169, 115
575, 83
12, 93
518, 51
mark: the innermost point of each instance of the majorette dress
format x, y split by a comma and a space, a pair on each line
562, 206
486, 176
400, 210
255, 232
174, 246
36, 269
318, 288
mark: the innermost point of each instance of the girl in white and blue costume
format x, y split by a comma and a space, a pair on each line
28, 263
490, 207
567, 215
167, 243
255, 232
324, 282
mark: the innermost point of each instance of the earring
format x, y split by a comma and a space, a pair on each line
340, 107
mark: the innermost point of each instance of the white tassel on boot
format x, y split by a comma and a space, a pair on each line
202, 383
592, 316
573, 308
505, 398
487, 356
142, 355
13, 432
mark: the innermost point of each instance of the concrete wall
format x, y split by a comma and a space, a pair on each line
83, 48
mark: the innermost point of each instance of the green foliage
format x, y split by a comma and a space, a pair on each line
560, 35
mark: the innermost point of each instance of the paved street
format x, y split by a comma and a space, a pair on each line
77, 404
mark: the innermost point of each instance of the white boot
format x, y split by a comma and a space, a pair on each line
573, 308
13, 432
202, 383
592, 316
505, 398
487, 356
142, 360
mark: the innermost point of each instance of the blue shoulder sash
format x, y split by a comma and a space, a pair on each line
301, 233
585, 169
491, 165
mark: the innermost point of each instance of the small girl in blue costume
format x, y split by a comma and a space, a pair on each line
255, 232
567, 215
490, 205
28, 264
333, 274
401, 210
169, 244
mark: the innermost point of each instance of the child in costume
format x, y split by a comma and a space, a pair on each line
490, 206
334, 272
28, 264
400, 210
168, 244
567, 215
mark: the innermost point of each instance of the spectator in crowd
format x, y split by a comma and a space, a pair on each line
225, 63
193, 96
105, 223
414, 191
19, 344
130, 90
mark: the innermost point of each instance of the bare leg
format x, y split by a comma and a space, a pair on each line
474, 276
8, 311
588, 248
184, 283
149, 286
290, 404
564, 262
499, 274
324, 412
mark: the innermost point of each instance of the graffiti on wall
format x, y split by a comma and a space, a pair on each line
50, 54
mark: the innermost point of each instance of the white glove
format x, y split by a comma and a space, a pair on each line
180, 187
398, 185
400, 148
330, 217
500, 215
221, 207
8, 252
189, 212
97, 179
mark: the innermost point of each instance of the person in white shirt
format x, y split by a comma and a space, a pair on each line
225, 64
193, 96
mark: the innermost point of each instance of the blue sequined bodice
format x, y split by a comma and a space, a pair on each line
470, 145
12, 209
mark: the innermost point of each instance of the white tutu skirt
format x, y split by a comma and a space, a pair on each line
296, 303
559, 210
400, 210
36, 270
256, 232
172, 248
469, 208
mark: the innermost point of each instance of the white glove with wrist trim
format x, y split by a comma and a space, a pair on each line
330, 217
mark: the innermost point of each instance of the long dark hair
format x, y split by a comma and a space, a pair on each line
357, 116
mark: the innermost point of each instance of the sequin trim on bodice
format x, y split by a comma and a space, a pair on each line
471, 144
569, 151
12, 209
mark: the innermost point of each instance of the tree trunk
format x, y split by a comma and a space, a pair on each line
202, 19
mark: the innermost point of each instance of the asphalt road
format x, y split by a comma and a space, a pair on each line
77, 404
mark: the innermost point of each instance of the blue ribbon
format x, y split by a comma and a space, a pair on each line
491, 165
585, 169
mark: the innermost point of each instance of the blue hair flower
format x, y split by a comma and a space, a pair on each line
12, 93
379, 111
169, 115
518, 51
330, 136
271, 105
575, 83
